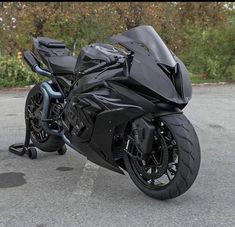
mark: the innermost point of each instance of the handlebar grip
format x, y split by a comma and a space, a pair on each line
31, 61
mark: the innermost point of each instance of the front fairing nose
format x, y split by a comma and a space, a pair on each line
148, 37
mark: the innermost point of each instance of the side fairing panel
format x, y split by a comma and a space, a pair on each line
104, 130
118, 106
183, 81
149, 74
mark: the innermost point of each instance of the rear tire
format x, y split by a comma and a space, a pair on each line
51, 143
188, 160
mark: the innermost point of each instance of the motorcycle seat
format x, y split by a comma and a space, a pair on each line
62, 64
50, 43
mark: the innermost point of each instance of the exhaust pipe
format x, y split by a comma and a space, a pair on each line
34, 64
49, 93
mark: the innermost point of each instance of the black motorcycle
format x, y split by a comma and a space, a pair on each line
120, 106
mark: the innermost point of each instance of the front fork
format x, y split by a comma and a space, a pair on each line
139, 144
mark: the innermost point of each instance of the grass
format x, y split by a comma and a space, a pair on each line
198, 79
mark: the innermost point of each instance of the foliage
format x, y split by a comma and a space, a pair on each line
13, 72
201, 33
211, 51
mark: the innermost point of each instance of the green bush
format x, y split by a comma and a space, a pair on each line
210, 52
13, 72
79, 33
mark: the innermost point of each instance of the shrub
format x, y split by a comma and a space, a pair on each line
13, 72
210, 52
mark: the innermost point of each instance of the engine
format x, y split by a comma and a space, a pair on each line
79, 118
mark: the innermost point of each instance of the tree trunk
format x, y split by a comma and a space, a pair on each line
39, 25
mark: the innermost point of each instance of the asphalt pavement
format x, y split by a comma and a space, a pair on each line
68, 190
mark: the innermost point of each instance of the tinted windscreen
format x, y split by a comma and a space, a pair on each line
148, 36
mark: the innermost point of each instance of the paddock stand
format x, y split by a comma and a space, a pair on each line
27, 147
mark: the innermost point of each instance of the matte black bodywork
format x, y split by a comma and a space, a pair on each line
99, 106
147, 66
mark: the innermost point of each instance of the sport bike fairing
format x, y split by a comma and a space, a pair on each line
148, 36
154, 66
118, 108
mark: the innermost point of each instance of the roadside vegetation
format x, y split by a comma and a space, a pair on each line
202, 34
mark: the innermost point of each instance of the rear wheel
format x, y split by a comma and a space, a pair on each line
174, 162
33, 110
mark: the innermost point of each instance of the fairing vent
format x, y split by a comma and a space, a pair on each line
174, 74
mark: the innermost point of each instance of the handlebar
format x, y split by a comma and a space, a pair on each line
111, 62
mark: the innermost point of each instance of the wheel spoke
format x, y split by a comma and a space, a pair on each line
34, 108
153, 170
43, 133
168, 139
155, 160
31, 114
34, 102
168, 176
161, 165
40, 135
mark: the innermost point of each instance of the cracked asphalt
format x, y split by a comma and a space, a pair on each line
68, 190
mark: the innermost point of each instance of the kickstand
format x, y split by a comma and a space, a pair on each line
26, 147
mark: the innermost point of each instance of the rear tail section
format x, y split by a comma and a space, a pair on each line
34, 64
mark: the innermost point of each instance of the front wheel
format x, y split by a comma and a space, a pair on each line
174, 162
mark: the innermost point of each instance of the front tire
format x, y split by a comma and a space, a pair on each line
186, 152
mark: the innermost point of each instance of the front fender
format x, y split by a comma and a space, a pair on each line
162, 109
